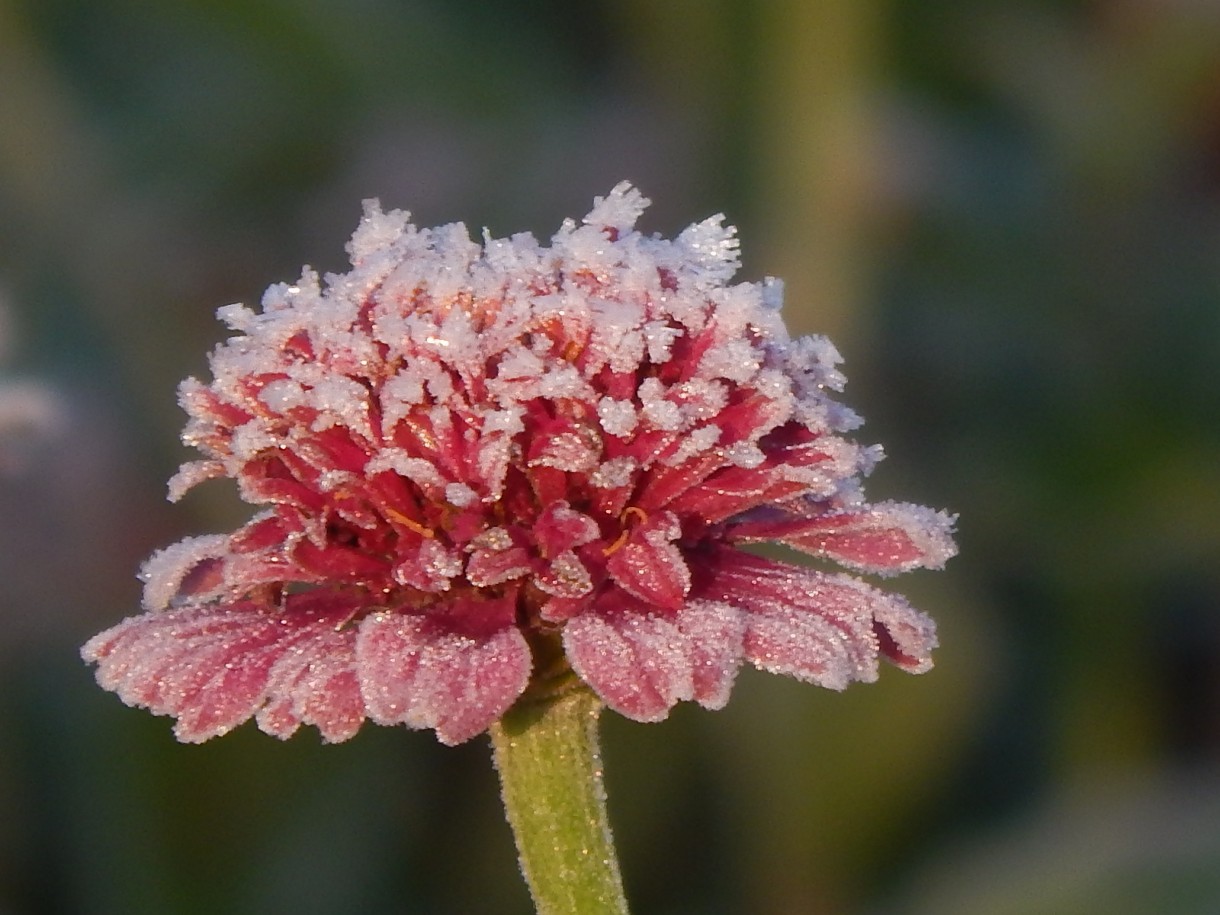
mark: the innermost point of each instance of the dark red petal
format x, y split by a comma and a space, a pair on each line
732, 490
549, 485
416, 672
489, 567
262, 532
560, 527
337, 563
663, 484
649, 566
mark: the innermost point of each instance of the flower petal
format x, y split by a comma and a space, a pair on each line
650, 567
415, 671
642, 664
907, 637
212, 666
715, 634
639, 664
560, 528
565, 577
826, 629
319, 688
493, 567
885, 538
176, 569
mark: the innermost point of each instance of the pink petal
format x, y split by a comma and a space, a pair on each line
787, 639
212, 666
430, 569
640, 665
715, 634
907, 637
416, 672
166, 573
266, 530
650, 566
319, 687
885, 538
827, 629
565, 577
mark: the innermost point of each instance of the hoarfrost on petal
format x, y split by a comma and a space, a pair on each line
885, 538
649, 566
715, 633
460, 494
164, 572
566, 576
377, 230
828, 629
659, 336
614, 473
190, 475
786, 640
617, 416
414, 672
211, 666
715, 249
639, 665
619, 209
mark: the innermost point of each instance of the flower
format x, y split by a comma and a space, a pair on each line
486, 467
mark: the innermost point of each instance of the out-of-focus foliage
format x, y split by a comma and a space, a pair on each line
1006, 214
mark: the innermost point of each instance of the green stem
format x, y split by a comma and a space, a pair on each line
546, 752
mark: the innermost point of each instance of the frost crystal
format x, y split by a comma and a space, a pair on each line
472, 456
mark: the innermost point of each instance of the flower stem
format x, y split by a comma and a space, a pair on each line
546, 752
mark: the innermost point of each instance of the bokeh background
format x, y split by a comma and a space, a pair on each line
1007, 215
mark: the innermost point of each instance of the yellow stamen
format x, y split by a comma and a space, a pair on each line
626, 531
407, 522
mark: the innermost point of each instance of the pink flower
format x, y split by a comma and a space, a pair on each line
486, 466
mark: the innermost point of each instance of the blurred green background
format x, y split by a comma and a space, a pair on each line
1007, 215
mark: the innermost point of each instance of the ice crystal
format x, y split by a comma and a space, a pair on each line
475, 458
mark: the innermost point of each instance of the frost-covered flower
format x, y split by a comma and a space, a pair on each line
486, 466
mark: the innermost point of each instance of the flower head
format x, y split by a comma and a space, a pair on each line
489, 465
